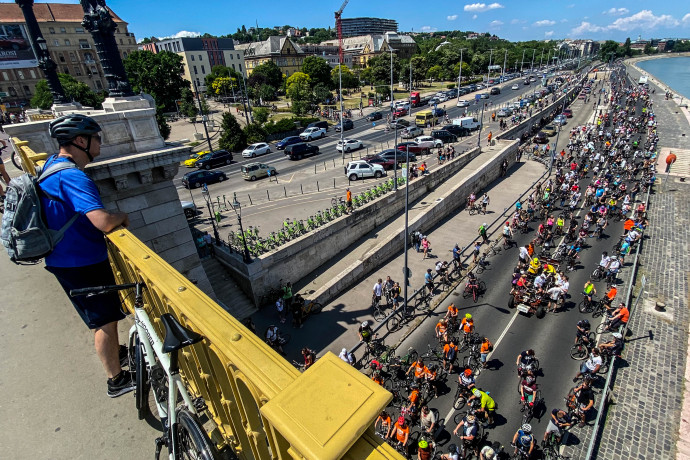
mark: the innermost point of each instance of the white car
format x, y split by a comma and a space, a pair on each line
253, 150
428, 142
312, 133
411, 132
360, 169
350, 144
443, 98
463, 103
515, 87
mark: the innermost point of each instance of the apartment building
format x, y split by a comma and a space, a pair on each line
200, 55
69, 44
365, 47
353, 27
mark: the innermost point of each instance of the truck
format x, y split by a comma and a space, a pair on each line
417, 100
467, 122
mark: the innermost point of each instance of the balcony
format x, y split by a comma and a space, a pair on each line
85, 46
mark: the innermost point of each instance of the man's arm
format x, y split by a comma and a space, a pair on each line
107, 221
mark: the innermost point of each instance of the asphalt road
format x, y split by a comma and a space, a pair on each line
512, 332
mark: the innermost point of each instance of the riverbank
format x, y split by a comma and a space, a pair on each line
679, 98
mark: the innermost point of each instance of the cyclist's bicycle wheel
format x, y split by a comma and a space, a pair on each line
393, 323
192, 438
422, 302
585, 306
460, 400
137, 364
315, 309
379, 314
578, 352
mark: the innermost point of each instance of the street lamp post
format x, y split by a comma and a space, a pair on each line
531, 68
522, 63
460, 72
488, 70
503, 71
238, 211
407, 238
203, 117
209, 206
342, 130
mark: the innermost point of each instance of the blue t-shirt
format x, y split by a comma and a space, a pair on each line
83, 244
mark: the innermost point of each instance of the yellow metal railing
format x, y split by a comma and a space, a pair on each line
262, 407
28, 157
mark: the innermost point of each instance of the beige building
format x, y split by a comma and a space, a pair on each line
69, 44
200, 55
365, 47
281, 50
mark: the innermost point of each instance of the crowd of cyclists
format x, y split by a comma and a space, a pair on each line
600, 176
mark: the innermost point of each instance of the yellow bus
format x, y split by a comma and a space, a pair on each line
425, 119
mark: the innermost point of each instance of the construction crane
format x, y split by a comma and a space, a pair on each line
339, 28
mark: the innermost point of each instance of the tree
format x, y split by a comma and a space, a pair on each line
43, 98
188, 106
350, 80
233, 139
267, 93
435, 72
627, 48
159, 75
318, 70
254, 133
322, 94
299, 91
267, 73
260, 114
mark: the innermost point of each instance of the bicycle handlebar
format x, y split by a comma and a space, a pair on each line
98, 290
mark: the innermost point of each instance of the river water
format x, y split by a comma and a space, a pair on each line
675, 72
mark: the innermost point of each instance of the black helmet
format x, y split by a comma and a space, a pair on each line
67, 127
452, 449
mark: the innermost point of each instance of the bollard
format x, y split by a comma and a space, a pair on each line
314, 168
269, 196
300, 189
250, 198
334, 182
285, 190
334, 162
324, 165
317, 186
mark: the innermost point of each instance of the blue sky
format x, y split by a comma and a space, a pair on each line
510, 19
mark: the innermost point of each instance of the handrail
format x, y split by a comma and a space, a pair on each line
261, 406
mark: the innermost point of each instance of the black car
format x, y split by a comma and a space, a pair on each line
445, 136
375, 116
213, 159
195, 179
318, 124
288, 141
391, 154
400, 123
541, 138
377, 160
459, 131
299, 151
347, 125
495, 90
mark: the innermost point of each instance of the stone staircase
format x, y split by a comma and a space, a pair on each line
228, 293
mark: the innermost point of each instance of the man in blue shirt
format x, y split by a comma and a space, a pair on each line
80, 259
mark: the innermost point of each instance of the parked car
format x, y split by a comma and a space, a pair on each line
195, 179
484, 96
429, 141
260, 148
504, 112
377, 160
312, 133
495, 90
438, 112
560, 120
443, 98
288, 141
193, 158
568, 113
445, 136
299, 151
463, 103
318, 124
400, 112
361, 169
399, 123
550, 130
541, 138
401, 154
456, 130
350, 145
254, 171
374, 116
213, 159
411, 132
189, 209
347, 124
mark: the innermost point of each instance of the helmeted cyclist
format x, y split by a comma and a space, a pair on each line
524, 440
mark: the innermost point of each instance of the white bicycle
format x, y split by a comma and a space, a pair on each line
154, 364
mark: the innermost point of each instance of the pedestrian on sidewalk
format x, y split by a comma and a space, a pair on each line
475, 251
482, 233
280, 306
287, 295
485, 203
426, 246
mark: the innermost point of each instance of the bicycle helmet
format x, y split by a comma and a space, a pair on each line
617, 335
585, 322
530, 379
468, 372
401, 420
471, 418
527, 428
468, 316
365, 324
67, 127
414, 386
452, 449
476, 392
423, 444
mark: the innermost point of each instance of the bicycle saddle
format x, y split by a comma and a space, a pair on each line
176, 335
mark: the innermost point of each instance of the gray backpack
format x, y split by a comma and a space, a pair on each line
24, 232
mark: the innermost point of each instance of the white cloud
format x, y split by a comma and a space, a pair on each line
184, 34
564, 20
515, 21
474, 16
645, 19
572, 5
585, 28
548, 34
428, 29
481, 7
496, 23
686, 19
616, 11
452, 17
544, 22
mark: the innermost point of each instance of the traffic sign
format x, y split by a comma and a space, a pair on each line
2, 94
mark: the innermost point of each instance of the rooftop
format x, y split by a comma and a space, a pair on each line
48, 12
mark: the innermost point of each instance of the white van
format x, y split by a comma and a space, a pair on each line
467, 122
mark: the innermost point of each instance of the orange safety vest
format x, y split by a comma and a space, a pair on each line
467, 326
440, 328
420, 371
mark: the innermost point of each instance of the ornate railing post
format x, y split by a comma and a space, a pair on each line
100, 24
38, 44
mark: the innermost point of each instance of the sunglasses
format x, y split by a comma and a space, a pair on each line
97, 137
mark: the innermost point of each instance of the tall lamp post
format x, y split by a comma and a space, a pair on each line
522, 63
209, 206
238, 210
460, 72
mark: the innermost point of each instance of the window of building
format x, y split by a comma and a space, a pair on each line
195, 70
240, 66
56, 42
121, 42
88, 56
33, 73
66, 70
12, 91
98, 84
77, 71
83, 44
94, 70
233, 67
78, 30
238, 56
72, 57
124, 54
67, 43
293, 61
203, 70
63, 30
51, 30
62, 58
20, 74
5, 76
192, 56
200, 58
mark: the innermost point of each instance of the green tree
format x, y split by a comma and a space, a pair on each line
260, 115
267, 93
79, 92
318, 70
350, 80
322, 94
159, 75
188, 105
267, 73
163, 125
299, 91
627, 48
254, 133
233, 138
43, 98
435, 72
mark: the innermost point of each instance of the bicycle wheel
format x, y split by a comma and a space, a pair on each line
460, 400
379, 314
141, 377
602, 326
482, 288
393, 323
422, 302
475, 294
578, 352
585, 307
193, 442
480, 268
465, 293
16, 162
316, 308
